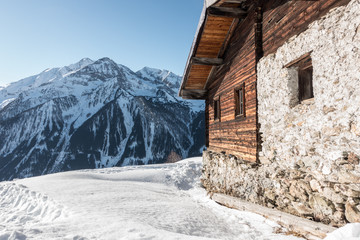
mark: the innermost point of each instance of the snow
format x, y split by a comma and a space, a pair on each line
33, 83
6, 102
138, 202
78, 80
350, 231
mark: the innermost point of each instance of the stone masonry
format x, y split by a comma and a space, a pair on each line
309, 162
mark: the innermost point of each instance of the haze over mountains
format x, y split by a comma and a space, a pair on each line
95, 114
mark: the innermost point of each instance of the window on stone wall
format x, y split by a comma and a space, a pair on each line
217, 109
304, 68
240, 101
305, 83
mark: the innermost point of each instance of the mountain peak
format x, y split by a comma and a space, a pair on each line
85, 61
166, 76
106, 59
80, 64
149, 69
148, 72
104, 66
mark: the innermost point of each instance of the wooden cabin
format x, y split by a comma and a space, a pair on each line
272, 105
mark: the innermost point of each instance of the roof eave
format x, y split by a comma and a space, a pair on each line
217, 21
207, 4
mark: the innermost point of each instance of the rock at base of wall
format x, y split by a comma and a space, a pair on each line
296, 191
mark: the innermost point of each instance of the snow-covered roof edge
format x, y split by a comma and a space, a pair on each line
207, 4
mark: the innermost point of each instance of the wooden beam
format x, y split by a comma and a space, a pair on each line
228, 36
221, 2
208, 80
234, 1
226, 12
193, 94
307, 228
296, 61
207, 61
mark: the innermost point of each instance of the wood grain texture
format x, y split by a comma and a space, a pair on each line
197, 76
283, 19
235, 135
213, 36
308, 228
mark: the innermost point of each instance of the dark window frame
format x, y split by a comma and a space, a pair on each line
217, 109
240, 106
305, 76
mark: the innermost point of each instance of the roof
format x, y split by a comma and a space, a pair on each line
215, 26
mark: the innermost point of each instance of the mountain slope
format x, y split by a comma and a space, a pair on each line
92, 115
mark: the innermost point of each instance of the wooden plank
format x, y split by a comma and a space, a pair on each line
296, 61
291, 18
207, 61
193, 94
235, 1
309, 229
228, 37
227, 12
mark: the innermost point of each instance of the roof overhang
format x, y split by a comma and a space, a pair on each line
217, 22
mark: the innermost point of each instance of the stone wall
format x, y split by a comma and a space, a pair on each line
294, 190
309, 162
323, 130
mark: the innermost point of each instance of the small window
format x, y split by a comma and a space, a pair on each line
240, 101
217, 109
304, 68
305, 84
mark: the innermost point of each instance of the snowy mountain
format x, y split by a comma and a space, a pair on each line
95, 114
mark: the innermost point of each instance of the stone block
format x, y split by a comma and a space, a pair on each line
353, 158
355, 187
339, 217
352, 214
349, 190
270, 195
315, 185
331, 131
348, 177
330, 194
321, 206
298, 192
302, 209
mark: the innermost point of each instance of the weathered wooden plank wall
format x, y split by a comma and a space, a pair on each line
282, 19
231, 134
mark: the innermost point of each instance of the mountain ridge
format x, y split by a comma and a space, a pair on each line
95, 114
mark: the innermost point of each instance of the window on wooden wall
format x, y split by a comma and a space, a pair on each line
240, 101
304, 68
217, 110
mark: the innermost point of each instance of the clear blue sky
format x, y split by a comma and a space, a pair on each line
39, 34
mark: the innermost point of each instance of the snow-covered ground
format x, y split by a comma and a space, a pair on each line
137, 202
350, 231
